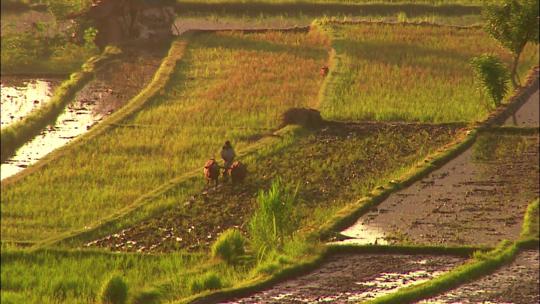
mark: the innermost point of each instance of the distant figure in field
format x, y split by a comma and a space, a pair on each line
324, 71
211, 171
227, 154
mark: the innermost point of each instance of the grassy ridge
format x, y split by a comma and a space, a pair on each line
409, 72
17, 134
225, 88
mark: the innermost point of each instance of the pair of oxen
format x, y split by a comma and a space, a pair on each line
237, 172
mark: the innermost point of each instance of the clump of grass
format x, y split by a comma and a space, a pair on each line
274, 220
114, 291
152, 296
531, 222
229, 246
207, 281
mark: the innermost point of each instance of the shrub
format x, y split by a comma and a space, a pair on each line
208, 281
274, 219
492, 75
147, 297
229, 246
301, 116
114, 291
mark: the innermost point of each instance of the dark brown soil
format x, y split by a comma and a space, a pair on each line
517, 283
334, 166
355, 278
479, 197
528, 115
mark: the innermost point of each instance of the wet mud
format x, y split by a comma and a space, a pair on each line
19, 96
331, 165
516, 283
528, 115
479, 197
112, 88
346, 278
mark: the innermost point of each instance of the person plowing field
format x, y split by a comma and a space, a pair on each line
228, 155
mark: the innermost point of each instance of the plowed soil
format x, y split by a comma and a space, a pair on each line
479, 197
332, 165
516, 283
354, 278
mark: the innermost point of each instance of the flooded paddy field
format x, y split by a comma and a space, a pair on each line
336, 164
21, 95
477, 198
515, 283
347, 278
112, 87
528, 115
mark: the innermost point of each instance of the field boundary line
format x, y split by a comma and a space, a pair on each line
159, 80
19, 133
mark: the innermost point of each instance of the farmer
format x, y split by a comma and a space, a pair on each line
227, 153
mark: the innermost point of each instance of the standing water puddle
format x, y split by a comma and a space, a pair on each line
20, 96
347, 278
477, 198
112, 87
515, 283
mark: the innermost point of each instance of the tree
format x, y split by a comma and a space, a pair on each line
492, 76
513, 24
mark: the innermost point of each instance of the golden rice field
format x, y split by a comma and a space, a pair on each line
228, 85
410, 72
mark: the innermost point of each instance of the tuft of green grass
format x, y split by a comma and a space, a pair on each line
114, 291
531, 222
151, 296
229, 246
207, 281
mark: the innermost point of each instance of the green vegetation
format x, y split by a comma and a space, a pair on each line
274, 220
17, 134
114, 291
229, 246
513, 24
492, 75
147, 297
408, 72
531, 222
224, 88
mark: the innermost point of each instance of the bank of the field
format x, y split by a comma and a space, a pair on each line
17, 134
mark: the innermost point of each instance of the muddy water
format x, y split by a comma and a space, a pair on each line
516, 283
19, 96
347, 278
528, 115
111, 88
477, 198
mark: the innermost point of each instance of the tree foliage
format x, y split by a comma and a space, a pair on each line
492, 76
513, 24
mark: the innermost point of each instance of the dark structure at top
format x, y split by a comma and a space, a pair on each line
120, 21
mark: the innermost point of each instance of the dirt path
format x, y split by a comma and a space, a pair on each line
477, 198
528, 115
516, 283
348, 278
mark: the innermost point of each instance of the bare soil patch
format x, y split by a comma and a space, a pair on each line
528, 115
348, 278
516, 283
333, 166
477, 198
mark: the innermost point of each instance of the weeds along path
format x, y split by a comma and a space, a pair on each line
223, 88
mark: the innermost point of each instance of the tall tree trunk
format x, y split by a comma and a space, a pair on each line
514, 75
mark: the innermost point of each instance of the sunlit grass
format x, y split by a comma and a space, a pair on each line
408, 72
229, 85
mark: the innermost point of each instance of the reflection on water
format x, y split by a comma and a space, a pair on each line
78, 117
364, 235
20, 96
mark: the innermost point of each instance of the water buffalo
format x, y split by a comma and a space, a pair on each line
211, 171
